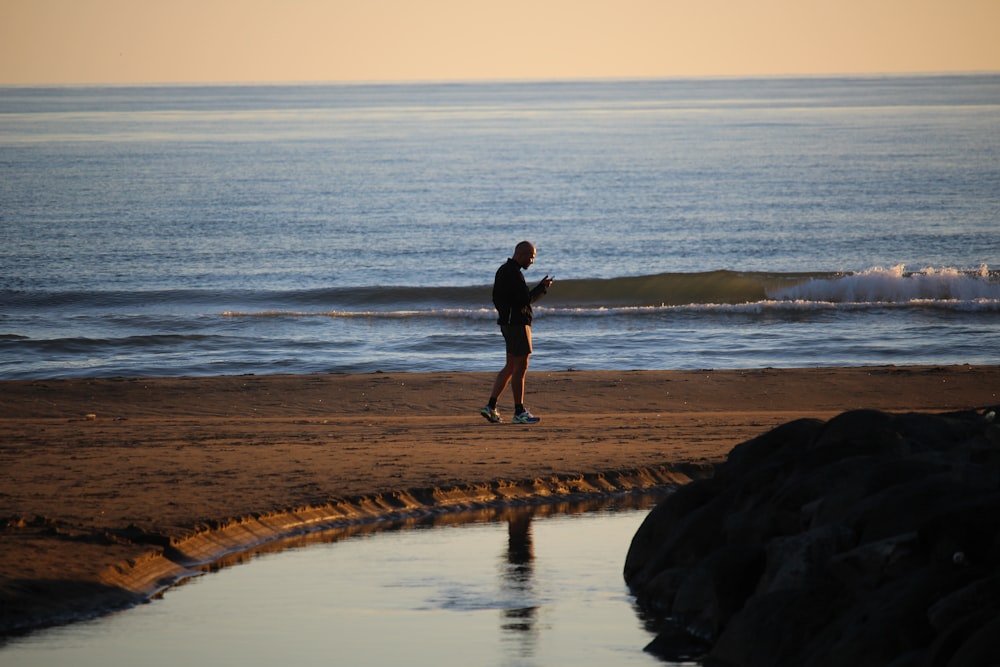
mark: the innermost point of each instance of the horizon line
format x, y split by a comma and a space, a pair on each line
500, 80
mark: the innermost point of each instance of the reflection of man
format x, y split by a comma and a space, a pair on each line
513, 300
519, 549
518, 574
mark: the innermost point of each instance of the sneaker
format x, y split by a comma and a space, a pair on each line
491, 414
525, 418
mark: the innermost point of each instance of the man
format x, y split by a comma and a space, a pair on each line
513, 300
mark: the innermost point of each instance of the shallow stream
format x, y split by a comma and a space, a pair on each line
516, 587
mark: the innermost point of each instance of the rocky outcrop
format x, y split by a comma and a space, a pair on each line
870, 539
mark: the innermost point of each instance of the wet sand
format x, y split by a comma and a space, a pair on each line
115, 487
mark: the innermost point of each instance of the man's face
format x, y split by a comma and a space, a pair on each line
526, 257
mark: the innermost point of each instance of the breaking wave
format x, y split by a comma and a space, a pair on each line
723, 290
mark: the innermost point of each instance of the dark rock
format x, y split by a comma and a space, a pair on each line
661, 523
773, 628
772, 448
980, 595
798, 561
871, 539
970, 642
675, 645
716, 588
659, 593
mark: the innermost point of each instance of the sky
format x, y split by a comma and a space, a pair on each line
230, 41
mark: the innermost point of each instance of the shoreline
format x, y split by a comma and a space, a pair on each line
119, 487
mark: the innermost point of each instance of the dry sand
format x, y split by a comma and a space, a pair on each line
113, 487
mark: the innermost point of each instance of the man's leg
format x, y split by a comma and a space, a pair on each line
513, 370
519, 368
521, 414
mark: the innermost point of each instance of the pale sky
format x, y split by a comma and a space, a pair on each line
189, 41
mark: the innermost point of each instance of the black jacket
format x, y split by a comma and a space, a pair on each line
511, 295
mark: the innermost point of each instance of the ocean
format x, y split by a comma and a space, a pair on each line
689, 223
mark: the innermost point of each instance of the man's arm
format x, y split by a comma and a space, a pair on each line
541, 288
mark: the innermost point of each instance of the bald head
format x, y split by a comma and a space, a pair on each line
524, 254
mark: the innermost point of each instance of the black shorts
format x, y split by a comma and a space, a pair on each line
518, 339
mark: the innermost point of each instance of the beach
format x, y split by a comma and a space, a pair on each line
117, 487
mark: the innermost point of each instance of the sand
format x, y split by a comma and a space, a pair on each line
113, 488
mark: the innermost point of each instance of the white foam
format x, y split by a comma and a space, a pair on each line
897, 286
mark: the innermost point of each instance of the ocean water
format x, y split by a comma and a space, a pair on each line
718, 223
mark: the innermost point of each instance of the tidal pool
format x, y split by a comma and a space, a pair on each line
526, 586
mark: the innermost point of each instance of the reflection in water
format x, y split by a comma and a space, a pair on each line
514, 587
519, 622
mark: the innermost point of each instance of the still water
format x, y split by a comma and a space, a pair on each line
522, 587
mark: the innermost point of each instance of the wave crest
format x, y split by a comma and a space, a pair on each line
723, 289
877, 285
897, 286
